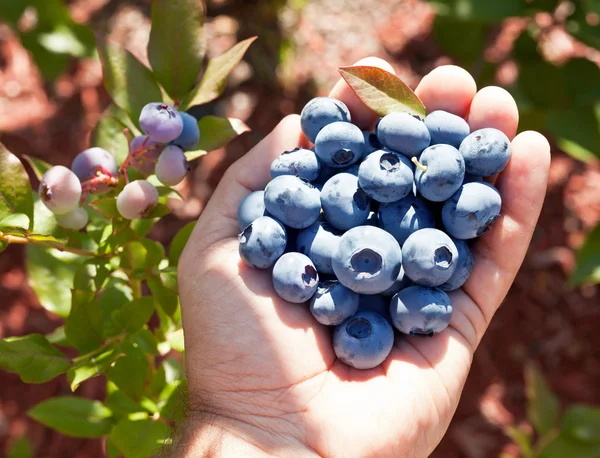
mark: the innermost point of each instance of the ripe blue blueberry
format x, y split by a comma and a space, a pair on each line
404, 217
293, 201
446, 128
429, 257
299, 162
320, 112
403, 133
340, 144
319, 241
402, 281
464, 267
486, 152
161, 122
190, 135
295, 278
372, 143
363, 341
368, 260
472, 210
251, 208
386, 176
262, 242
145, 154
421, 311
333, 303
440, 172
91, 163
60, 190
344, 204
372, 219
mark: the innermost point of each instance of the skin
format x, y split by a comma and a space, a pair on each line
262, 376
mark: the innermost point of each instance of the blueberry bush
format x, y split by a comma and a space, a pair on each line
85, 228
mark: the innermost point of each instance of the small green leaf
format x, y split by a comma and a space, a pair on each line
108, 132
72, 416
21, 448
111, 449
130, 84
58, 337
19, 220
121, 404
32, 357
15, 189
382, 91
135, 314
146, 341
91, 367
216, 132
106, 206
158, 211
166, 298
542, 404
176, 46
179, 241
214, 79
44, 220
565, 446
129, 372
139, 438
50, 274
583, 423
38, 166
587, 269
522, 439
176, 340
583, 131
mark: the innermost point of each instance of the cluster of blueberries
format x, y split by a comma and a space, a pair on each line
168, 133
373, 228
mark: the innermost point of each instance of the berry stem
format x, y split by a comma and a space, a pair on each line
14, 239
418, 164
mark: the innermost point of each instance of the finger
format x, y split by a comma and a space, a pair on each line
361, 115
250, 173
500, 252
493, 106
449, 88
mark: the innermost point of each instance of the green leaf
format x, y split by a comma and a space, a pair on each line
146, 341
166, 298
582, 131
482, 10
121, 404
142, 255
44, 221
129, 372
106, 206
91, 367
139, 438
583, 423
33, 358
111, 449
216, 132
108, 132
116, 240
382, 91
176, 340
72, 416
587, 269
15, 189
176, 46
58, 337
158, 211
522, 439
19, 220
130, 84
50, 274
214, 79
38, 166
135, 314
565, 446
542, 404
179, 241
21, 448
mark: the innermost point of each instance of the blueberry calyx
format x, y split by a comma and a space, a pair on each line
389, 162
359, 328
366, 261
342, 156
309, 277
488, 225
243, 237
421, 332
443, 257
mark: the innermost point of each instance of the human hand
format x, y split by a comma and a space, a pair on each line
262, 375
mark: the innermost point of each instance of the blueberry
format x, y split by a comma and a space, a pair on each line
404, 217
172, 166
333, 303
402, 281
339, 144
486, 152
372, 143
429, 257
372, 219
76, 219
446, 128
386, 176
161, 122
295, 278
471, 178
472, 210
403, 133
60, 190
137, 199
251, 208
375, 303
344, 204
440, 172
320, 112
299, 162
319, 241
464, 267
262, 242
92, 162
420, 310
367, 260
145, 154
363, 341
293, 201
190, 135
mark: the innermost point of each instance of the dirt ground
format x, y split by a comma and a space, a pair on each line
541, 319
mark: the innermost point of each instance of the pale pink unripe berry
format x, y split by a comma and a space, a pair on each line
76, 219
60, 190
137, 199
172, 166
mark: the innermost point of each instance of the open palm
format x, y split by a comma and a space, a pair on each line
263, 377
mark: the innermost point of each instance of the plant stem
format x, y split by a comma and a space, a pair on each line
13, 239
419, 165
